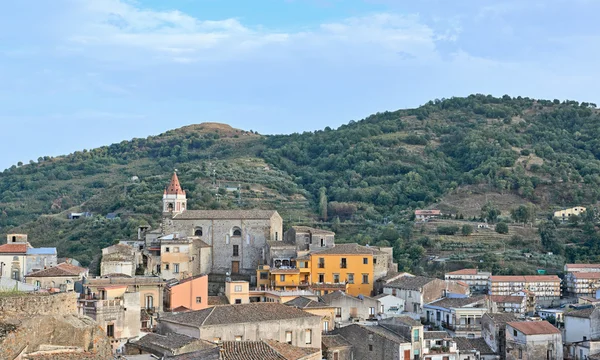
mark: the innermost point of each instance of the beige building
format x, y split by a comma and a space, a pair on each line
565, 214
533, 340
477, 280
582, 279
319, 308
247, 322
546, 288
62, 276
119, 259
237, 292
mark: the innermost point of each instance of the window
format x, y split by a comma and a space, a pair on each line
176, 249
167, 249
110, 330
237, 231
198, 232
149, 302
416, 335
238, 301
336, 278
520, 353
365, 278
238, 288
236, 250
282, 278
276, 236
264, 275
322, 242
288, 337
343, 265
366, 261
176, 268
198, 299
308, 336
371, 311
321, 278
370, 337
326, 326
15, 258
14, 239
336, 356
374, 261
514, 332
350, 278
238, 338
38, 284
338, 312
321, 263
167, 266
370, 347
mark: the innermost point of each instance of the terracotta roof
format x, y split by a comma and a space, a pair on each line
534, 327
62, 269
410, 282
431, 335
174, 187
302, 302
264, 350
448, 303
225, 214
291, 352
526, 278
218, 300
581, 266
348, 249
180, 309
235, 314
13, 249
586, 275
502, 318
334, 341
170, 342
507, 298
463, 272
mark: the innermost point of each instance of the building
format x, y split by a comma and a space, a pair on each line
460, 315
167, 345
493, 331
477, 280
247, 322
309, 239
13, 260
62, 276
553, 316
569, 268
582, 283
564, 215
439, 345
389, 305
267, 349
237, 292
424, 215
237, 237
582, 324
40, 258
533, 340
417, 291
315, 307
468, 349
280, 296
119, 259
508, 304
376, 343
408, 328
336, 347
190, 293
546, 288
349, 308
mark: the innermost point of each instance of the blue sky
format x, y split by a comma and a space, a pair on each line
80, 74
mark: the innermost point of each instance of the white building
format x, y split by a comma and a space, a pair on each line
533, 340
477, 280
389, 305
461, 315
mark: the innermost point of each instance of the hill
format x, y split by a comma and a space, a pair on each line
363, 179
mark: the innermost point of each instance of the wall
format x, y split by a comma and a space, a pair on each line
54, 282
490, 332
40, 262
412, 298
576, 328
39, 304
326, 315
354, 265
243, 295
346, 303
391, 301
185, 294
179, 253
117, 267
11, 264
533, 347
381, 348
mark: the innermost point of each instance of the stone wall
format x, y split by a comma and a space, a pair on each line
38, 304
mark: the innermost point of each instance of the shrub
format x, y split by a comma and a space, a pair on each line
502, 228
447, 230
467, 230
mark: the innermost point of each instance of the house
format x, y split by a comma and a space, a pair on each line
190, 293
533, 340
247, 322
508, 304
477, 280
408, 328
166, 345
471, 349
62, 276
376, 343
280, 296
460, 315
555, 316
582, 283
565, 214
424, 215
439, 345
350, 308
75, 216
391, 276
319, 308
417, 291
237, 292
267, 349
308, 238
389, 305
40, 258
336, 347
546, 288
570, 268
13, 260
493, 331
119, 259
582, 324
237, 237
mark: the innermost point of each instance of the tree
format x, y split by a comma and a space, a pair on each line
467, 230
490, 212
447, 230
502, 228
574, 220
323, 203
523, 214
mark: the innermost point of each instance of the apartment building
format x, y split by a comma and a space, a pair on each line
477, 280
546, 288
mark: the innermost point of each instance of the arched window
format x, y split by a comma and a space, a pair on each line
149, 302
14, 239
236, 231
170, 207
198, 231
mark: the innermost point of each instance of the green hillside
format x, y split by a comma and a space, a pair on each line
362, 180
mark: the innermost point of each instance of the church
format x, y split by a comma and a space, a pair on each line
220, 241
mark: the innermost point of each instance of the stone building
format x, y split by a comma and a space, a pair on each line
40, 259
167, 345
493, 331
266, 349
460, 315
237, 237
62, 276
408, 328
309, 239
376, 343
533, 340
350, 308
336, 347
119, 259
247, 322
582, 325
315, 307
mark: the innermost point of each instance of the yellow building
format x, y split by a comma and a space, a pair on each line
350, 264
566, 213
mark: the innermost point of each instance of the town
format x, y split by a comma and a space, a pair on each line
231, 284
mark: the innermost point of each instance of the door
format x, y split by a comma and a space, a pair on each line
406, 354
235, 267
353, 312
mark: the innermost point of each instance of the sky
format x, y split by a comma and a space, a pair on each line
78, 74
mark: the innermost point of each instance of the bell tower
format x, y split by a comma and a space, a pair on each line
174, 199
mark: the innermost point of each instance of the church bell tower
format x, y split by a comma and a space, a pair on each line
174, 199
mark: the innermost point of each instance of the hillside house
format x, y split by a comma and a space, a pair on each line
190, 293
389, 305
62, 276
425, 215
546, 288
508, 304
564, 215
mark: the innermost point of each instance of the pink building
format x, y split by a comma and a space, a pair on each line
187, 294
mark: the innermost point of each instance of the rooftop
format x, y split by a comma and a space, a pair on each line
349, 249
334, 341
410, 282
427, 212
302, 302
41, 251
241, 313
225, 214
507, 298
431, 335
264, 350
526, 278
13, 248
582, 313
406, 320
218, 300
586, 275
312, 230
138, 280
170, 342
379, 330
571, 267
469, 272
477, 344
174, 187
62, 269
341, 295
534, 327
456, 302
502, 318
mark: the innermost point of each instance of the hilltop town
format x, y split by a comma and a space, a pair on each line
232, 284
